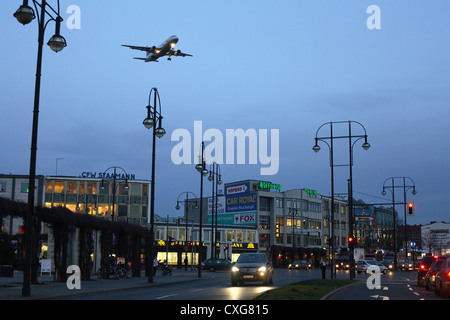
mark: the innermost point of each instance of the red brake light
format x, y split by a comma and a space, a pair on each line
422, 266
436, 257
448, 274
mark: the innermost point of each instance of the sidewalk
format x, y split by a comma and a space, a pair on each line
11, 288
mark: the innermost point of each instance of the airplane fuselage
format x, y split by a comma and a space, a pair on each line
163, 49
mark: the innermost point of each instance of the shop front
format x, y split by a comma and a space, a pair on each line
177, 253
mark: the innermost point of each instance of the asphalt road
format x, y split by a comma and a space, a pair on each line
213, 286
393, 286
217, 286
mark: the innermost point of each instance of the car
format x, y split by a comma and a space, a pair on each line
252, 267
342, 265
405, 265
389, 264
363, 266
300, 264
442, 286
423, 269
430, 277
215, 264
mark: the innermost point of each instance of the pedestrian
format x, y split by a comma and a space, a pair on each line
155, 265
323, 265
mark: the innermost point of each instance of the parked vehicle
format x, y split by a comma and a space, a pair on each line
442, 286
252, 267
215, 264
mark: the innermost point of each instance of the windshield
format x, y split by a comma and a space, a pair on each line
245, 258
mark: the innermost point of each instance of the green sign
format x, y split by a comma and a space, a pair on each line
311, 192
269, 185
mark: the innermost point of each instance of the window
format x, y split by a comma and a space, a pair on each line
92, 187
24, 187
71, 187
59, 187
264, 222
48, 186
279, 202
264, 204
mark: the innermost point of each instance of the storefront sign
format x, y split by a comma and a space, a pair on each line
311, 192
269, 186
107, 176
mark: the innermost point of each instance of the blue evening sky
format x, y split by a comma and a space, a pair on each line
290, 65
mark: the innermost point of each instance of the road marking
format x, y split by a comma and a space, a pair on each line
166, 296
417, 294
385, 288
382, 297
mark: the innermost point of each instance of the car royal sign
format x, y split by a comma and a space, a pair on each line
240, 205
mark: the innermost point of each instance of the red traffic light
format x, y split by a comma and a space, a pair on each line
410, 208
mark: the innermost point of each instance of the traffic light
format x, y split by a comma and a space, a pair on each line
351, 241
411, 209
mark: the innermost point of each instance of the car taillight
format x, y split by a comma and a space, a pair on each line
448, 274
422, 267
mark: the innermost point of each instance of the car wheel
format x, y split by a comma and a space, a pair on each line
436, 291
445, 291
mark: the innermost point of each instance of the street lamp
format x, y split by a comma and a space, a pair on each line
391, 188
24, 15
114, 186
186, 207
153, 119
316, 148
215, 177
200, 167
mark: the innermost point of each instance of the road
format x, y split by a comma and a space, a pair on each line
393, 286
213, 286
217, 286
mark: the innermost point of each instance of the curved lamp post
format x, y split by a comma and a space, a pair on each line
186, 207
153, 120
391, 188
316, 148
114, 186
215, 177
24, 15
201, 168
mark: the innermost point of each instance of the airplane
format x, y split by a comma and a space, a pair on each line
165, 49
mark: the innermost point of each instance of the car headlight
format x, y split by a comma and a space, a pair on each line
235, 269
262, 269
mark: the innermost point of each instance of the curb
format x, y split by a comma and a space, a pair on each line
335, 291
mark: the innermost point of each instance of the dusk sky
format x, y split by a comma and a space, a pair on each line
287, 65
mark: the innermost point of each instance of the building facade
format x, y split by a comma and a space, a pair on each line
436, 238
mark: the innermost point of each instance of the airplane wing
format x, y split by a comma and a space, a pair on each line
146, 49
178, 53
